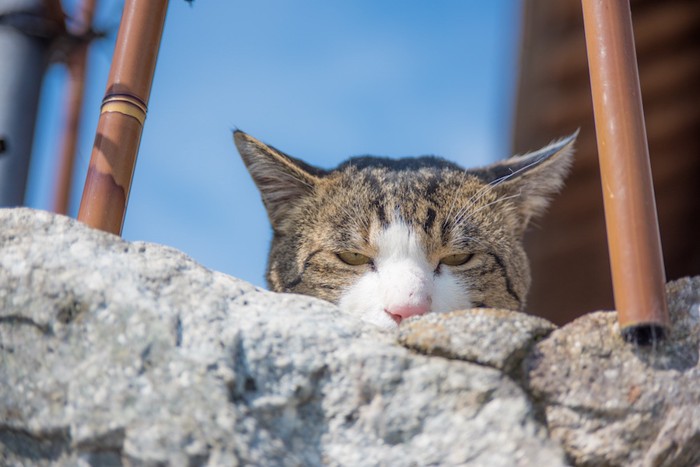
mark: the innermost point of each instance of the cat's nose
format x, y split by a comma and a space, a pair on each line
402, 312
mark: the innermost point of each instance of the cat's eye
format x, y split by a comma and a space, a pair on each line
458, 259
354, 259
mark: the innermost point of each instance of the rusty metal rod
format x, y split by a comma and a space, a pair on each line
123, 113
630, 210
76, 61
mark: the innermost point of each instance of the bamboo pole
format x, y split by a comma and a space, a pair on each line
76, 61
124, 106
630, 210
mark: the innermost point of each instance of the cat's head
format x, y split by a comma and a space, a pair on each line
387, 239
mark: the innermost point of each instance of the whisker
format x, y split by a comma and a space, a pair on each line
483, 191
499, 200
455, 197
477, 196
470, 214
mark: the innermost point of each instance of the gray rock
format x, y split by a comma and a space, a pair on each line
118, 353
613, 403
496, 338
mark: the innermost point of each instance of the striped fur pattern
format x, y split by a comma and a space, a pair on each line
387, 239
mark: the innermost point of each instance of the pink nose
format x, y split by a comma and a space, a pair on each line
406, 311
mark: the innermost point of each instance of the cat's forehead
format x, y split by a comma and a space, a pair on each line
427, 174
427, 194
403, 181
406, 164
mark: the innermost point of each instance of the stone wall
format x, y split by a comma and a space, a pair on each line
117, 353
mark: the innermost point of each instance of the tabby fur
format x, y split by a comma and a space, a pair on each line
407, 218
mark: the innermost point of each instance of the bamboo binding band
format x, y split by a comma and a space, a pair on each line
124, 104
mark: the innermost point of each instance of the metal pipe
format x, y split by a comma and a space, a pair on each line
630, 210
27, 28
123, 113
76, 61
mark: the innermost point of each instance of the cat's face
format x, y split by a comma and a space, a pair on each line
388, 239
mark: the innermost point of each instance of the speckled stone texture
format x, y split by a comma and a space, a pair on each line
613, 403
496, 338
117, 353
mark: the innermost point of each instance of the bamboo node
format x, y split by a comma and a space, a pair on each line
126, 105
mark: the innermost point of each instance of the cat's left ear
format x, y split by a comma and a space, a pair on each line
533, 177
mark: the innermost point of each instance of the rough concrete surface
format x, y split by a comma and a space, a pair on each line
118, 353
614, 403
496, 338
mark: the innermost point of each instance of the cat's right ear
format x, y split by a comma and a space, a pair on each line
281, 179
531, 179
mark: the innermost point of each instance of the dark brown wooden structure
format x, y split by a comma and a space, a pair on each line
568, 249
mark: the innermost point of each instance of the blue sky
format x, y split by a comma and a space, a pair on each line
320, 80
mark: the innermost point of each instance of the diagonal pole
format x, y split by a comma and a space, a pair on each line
630, 210
123, 113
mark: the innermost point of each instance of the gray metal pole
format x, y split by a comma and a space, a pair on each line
23, 60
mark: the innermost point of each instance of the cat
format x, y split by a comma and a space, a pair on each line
387, 239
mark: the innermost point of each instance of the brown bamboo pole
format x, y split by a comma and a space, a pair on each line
77, 59
124, 106
630, 210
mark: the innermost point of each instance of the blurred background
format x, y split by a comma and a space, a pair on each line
468, 80
320, 80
